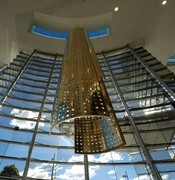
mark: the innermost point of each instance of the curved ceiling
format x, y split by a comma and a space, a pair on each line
70, 13
136, 22
66, 24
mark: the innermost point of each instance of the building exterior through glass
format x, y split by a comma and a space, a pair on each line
141, 90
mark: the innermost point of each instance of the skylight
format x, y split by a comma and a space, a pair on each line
98, 33
49, 33
64, 35
171, 61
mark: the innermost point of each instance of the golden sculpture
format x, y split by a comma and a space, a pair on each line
82, 99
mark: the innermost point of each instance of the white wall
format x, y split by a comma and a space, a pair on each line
5, 36
161, 40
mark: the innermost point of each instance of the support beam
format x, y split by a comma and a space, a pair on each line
86, 167
2, 69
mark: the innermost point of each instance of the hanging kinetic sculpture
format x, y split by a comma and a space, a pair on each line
83, 100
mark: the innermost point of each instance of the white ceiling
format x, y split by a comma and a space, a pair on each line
137, 22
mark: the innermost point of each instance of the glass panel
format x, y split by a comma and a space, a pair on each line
3, 148
26, 95
166, 167
66, 141
16, 136
168, 175
19, 112
113, 172
47, 139
68, 155
18, 151
29, 89
32, 82
46, 154
39, 67
36, 72
13, 123
23, 104
35, 77
103, 172
160, 154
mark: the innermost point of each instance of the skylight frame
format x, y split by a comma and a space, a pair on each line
64, 35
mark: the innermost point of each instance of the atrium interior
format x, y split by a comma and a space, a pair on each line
133, 44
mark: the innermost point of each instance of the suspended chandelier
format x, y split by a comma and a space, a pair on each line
82, 100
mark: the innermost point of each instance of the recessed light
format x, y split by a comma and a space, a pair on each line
116, 9
164, 2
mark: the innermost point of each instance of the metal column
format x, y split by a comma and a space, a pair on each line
3, 68
86, 167
153, 169
37, 124
53, 167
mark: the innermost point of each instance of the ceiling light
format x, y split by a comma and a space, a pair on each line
164, 2
116, 9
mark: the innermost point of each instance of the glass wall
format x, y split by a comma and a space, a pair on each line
27, 90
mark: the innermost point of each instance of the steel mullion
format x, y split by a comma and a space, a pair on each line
86, 167
3, 68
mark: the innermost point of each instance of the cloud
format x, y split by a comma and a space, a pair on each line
143, 177
42, 171
77, 172
39, 171
74, 173
111, 172
26, 114
77, 158
165, 176
22, 124
93, 170
106, 157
